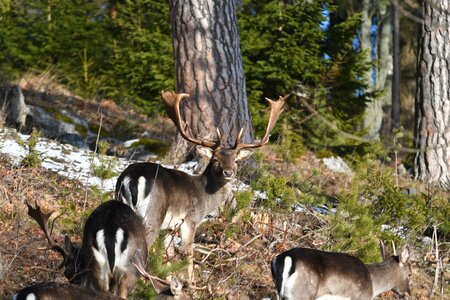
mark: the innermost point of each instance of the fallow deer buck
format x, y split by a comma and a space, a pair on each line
308, 274
113, 240
168, 199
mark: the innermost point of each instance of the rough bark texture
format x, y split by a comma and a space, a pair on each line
433, 95
208, 66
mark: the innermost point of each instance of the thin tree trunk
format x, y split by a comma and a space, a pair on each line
208, 66
373, 114
396, 67
432, 135
385, 69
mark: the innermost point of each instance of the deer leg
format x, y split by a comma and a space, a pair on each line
123, 287
187, 231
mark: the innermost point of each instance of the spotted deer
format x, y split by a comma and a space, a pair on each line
309, 274
113, 235
167, 198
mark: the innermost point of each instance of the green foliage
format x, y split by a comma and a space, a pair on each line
157, 267
33, 158
105, 168
281, 193
154, 146
376, 202
353, 229
68, 35
142, 62
286, 50
124, 51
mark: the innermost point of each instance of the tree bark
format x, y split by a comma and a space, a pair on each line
396, 67
373, 114
208, 66
432, 136
385, 66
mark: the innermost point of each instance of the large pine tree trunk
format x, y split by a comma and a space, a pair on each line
432, 137
208, 66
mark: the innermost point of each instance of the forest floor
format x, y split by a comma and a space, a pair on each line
227, 266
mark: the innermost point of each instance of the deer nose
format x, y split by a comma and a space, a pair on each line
228, 173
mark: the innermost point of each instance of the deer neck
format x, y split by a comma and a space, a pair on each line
383, 276
217, 192
214, 184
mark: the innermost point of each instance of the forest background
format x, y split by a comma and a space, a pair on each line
351, 66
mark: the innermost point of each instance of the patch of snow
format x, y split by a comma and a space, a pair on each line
63, 159
399, 230
127, 144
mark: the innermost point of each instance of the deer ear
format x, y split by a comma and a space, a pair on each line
404, 257
244, 153
175, 286
205, 151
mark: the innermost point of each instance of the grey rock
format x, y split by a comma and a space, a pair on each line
337, 164
12, 105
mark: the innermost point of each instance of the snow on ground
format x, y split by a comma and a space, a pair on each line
69, 161
63, 159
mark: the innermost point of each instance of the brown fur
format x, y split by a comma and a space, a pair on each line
316, 274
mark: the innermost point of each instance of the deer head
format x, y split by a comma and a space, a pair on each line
222, 160
70, 254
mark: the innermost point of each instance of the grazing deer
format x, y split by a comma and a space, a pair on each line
308, 274
67, 291
168, 199
58, 291
113, 235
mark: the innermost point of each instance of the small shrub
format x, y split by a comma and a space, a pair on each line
157, 267
375, 201
353, 229
33, 158
105, 168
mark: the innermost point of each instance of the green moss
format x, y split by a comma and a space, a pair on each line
83, 131
103, 132
154, 146
124, 129
56, 113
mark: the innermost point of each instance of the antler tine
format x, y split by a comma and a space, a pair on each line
238, 138
276, 108
42, 219
172, 102
382, 249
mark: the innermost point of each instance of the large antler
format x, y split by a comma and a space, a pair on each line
42, 219
276, 108
172, 102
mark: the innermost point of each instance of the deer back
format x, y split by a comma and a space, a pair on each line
111, 236
58, 291
302, 273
